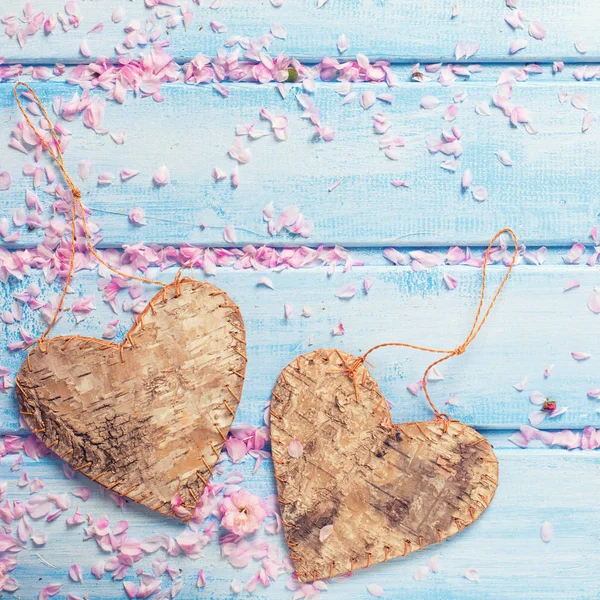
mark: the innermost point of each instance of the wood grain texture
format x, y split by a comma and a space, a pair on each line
385, 489
397, 30
535, 324
145, 418
537, 484
434, 211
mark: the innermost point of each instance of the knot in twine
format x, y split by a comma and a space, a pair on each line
478, 323
77, 210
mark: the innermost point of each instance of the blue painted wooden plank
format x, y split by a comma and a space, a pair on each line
393, 30
534, 325
504, 545
193, 129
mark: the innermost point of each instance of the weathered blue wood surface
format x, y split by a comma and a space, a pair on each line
550, 196
504, 546
535, 325
394, 29
433, 211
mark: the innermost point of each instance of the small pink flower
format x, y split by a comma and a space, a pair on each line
242, 512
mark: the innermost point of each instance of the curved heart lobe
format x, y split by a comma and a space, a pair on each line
146, 418
386, 490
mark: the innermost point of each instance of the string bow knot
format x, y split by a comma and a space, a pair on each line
478, 323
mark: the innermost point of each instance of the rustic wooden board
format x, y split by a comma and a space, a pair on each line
147, 417
433, 211
384, 489
548, 195
504, 545
397, 30
534, 325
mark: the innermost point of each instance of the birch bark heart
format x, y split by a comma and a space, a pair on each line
386, 490
145, 418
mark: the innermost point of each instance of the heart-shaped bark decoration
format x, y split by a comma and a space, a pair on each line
358, 490
148, 417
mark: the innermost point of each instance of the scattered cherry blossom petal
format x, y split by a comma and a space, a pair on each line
342, 43
580, 355
295, 449
325, 532
504, 158
161, 176
579, 100
517, 45
546, 532
348, 291
338, 329
479, 193
429, 102
266, 281
594, 301
5, 180
537, 30
375, 590
472, 574
574, 283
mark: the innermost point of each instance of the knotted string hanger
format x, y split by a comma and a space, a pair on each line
77, 207
478, 322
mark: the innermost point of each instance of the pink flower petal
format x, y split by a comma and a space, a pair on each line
348, 291
580, 355
574, 254
5, 180
84, 48
517, 45
537, 416
537, 398
594, 301
588, 119
479, 193
342, 43
325, 532
105, 178
266, 281
367, 99
472, 574
75, 573
295, 449
219, 174
161, 176
574, 283
579, 101
504, 158
521, 386
537, 30
429, 102
450, 281
546, 532
229, 235
548, 370
127, 174
136, 216
375, 590
338, 329
451, 112
421, 573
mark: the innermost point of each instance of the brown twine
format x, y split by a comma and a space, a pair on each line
77, 205
478, 323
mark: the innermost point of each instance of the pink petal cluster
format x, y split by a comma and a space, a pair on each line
588, 439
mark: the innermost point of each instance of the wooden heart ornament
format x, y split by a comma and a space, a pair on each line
355, 489
145, 418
